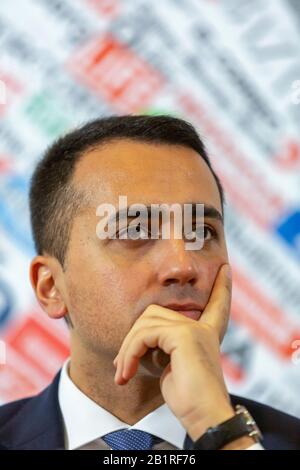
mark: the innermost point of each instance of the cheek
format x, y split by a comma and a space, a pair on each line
209, 273
122, 287
114, 288
104, 308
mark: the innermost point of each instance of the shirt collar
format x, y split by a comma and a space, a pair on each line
86, 421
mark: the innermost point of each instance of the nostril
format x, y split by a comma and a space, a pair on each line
170, 281
182, 281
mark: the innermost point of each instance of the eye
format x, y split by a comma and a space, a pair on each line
134, 232
208, 232
211, 232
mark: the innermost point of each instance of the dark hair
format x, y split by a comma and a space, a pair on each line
53, 199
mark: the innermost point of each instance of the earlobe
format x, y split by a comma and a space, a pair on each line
57, 312
56, 307
45, 274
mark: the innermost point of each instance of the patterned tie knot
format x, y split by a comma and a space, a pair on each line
130, 439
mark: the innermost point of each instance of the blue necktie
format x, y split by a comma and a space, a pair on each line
130, 439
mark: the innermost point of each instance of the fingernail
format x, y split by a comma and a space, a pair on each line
115, 360
117, 374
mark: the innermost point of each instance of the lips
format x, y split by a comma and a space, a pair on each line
194, 314
190, 310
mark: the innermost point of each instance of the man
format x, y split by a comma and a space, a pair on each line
146, 315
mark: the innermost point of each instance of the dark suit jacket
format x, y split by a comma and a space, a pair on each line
36, 423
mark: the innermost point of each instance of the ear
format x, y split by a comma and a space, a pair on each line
47, 280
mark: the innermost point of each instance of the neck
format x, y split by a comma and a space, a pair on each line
94, 376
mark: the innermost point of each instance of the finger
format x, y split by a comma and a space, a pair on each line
159, 358
153, 360
217, 310
166, 316
140, 344
152, 337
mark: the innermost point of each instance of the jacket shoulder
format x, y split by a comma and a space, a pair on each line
34, 422
10, 410
280, 429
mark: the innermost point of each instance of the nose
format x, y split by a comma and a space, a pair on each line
177, 265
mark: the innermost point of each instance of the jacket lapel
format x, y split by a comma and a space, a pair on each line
38, 424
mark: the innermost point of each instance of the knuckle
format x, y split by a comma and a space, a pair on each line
151, 310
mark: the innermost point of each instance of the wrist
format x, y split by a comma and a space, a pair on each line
238, 432
196, 424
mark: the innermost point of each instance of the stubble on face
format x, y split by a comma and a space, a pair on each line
107, 283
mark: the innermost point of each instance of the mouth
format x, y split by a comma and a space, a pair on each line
192, 311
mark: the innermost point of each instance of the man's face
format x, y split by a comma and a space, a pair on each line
109, 283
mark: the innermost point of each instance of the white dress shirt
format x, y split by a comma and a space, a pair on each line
85, 422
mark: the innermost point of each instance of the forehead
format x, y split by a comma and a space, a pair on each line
145, 173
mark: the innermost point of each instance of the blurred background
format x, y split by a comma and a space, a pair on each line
230, 67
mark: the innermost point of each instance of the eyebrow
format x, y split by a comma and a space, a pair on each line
210, 212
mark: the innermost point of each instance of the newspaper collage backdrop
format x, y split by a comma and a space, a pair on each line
232, 68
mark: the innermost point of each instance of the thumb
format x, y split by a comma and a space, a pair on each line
217, 310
